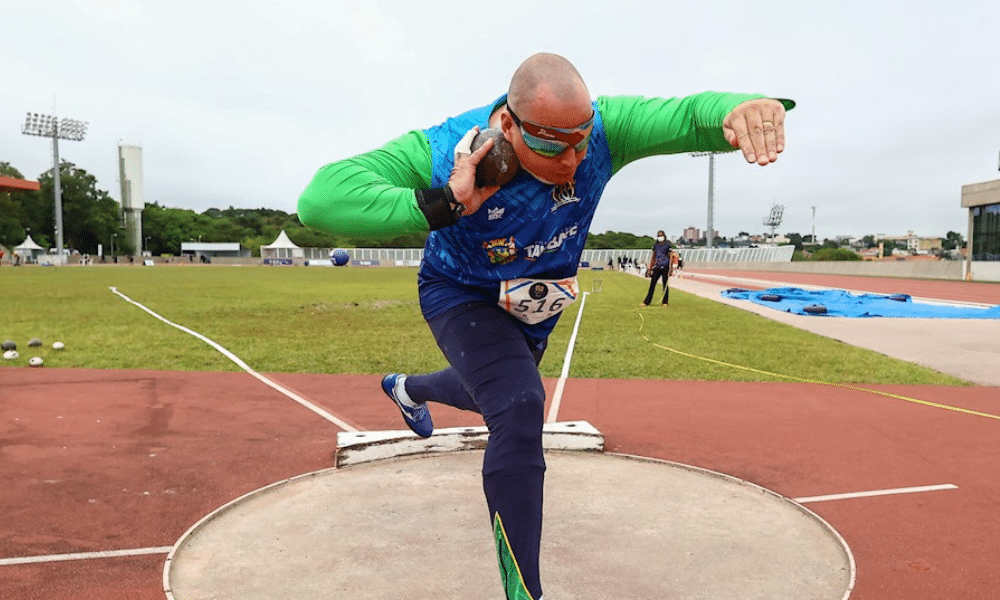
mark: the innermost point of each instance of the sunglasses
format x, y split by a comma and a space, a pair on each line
552, 141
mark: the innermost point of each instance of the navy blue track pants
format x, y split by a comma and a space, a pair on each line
494, 371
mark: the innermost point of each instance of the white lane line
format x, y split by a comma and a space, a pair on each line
27, 560
266, 381
888, 492
557, 396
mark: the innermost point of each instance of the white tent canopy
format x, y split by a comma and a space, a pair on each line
28, 250
28, 244
281, 248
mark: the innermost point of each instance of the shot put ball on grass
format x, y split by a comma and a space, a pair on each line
500, 164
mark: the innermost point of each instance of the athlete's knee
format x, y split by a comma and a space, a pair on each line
516, 430
527, 407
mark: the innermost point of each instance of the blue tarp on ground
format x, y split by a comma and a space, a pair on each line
841, 303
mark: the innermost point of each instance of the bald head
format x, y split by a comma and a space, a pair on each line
547, 79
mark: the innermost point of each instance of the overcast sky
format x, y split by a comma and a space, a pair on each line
238, 103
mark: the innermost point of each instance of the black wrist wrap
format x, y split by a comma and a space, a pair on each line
439, 207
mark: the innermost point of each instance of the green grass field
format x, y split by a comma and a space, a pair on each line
358, 320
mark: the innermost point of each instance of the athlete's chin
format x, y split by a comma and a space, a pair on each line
562, 177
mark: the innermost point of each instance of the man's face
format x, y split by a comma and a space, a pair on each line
569, 123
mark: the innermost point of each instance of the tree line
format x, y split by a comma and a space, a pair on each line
92, 218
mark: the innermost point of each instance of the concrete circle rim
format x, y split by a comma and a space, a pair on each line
218, 512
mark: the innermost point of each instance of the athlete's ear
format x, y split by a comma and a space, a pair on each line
507, 125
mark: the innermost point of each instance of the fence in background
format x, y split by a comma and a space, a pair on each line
594, 258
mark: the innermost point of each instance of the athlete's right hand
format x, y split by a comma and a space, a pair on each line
463, 175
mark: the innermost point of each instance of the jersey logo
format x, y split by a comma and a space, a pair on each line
501, 251
495, 213
563, 194
534, 251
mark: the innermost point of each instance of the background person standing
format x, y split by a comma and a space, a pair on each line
659, 267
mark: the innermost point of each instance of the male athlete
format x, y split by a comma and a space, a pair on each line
500, 262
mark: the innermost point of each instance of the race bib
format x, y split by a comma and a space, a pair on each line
534, 300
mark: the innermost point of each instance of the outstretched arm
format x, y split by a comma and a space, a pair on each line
638, 126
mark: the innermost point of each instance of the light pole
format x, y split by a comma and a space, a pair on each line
709, 236
814, 225
66, 129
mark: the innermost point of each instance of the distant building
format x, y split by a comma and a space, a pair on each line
10, 184
983, 202
929, 245
916, 244
693, 234
741, 240
133, 200
209, 250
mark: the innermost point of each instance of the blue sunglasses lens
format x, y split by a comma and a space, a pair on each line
552, 147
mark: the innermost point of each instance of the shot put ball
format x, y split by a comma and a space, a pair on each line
34, 343
8, 345
10, 355
339, 257
36, 361
58, 346
500, 164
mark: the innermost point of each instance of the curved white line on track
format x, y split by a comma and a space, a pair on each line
239, 362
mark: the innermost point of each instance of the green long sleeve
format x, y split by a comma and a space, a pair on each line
637, 126
371, 195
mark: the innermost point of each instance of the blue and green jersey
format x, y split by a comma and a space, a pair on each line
526, 229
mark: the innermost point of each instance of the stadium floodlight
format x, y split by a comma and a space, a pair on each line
773, 220
67, 129
709, 235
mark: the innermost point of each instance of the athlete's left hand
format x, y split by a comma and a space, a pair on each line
757, 127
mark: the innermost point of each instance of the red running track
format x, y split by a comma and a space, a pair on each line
98, 461
111, 460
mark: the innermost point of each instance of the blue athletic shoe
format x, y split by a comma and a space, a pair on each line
418, 417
